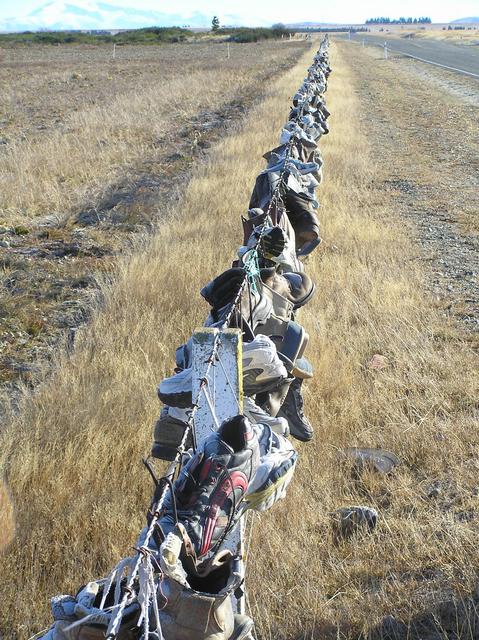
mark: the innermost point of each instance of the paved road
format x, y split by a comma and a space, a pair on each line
461, 57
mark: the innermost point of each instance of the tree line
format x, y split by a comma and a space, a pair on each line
422, 20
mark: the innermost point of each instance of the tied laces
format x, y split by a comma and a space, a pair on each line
251, 266
150, 613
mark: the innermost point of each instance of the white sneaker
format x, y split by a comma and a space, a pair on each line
262, 368
257, 415
176, 391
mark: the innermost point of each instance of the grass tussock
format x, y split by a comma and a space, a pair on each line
72, 455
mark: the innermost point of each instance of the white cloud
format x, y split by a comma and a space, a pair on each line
269, 11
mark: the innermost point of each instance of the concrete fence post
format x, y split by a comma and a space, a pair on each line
225, 398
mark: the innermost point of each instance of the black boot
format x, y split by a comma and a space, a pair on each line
292, 409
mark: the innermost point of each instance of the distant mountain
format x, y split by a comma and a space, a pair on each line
474, 20
90, 14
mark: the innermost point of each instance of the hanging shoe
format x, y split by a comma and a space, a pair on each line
293, 410
272, 401
262, 368
88, 615
276, 469
194, 607
212, 484
176, 391
169, 431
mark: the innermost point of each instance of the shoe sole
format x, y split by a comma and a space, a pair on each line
163, 452
265, 387
182, 400
168, 435
301, 438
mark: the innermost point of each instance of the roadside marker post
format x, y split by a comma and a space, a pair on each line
228, 48
385, 50
114, 50
222, 399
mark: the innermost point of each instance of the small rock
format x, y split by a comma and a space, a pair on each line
392, 629
378, 362
350, 520
89, 218
379, 460
48, 221
434, 489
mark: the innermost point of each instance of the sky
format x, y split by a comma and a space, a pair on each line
354, 11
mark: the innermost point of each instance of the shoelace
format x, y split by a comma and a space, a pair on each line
300, 402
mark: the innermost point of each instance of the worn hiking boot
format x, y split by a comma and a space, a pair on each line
212, 485
292, 409
272, 401
169, 431
198, 607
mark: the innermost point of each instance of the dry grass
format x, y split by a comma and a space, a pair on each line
113, 141
467, 36
423, 408
71, 457
7, 530
108, 114
434, 183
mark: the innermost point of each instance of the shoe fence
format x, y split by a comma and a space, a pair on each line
130, 594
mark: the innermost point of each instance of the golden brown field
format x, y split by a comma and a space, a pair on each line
71, 456
469, 35
93, 151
